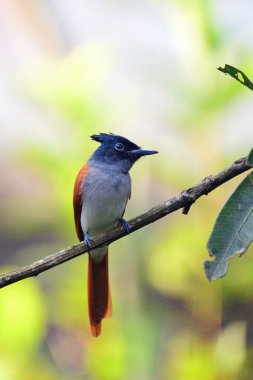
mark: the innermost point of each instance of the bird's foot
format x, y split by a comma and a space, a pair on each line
87, 240
125, 225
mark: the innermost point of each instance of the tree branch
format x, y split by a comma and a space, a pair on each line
183, 200
237, 74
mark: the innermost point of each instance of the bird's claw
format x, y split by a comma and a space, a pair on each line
87, 240
125, 225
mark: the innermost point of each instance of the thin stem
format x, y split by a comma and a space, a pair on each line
183, 200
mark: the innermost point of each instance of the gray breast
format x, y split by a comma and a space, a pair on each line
105, 196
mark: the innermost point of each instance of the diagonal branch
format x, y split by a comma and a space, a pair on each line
237, 74
183, 200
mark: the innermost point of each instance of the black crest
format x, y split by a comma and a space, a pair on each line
110, 139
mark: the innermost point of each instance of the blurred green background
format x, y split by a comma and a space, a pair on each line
145, 70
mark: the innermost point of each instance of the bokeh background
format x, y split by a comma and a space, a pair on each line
145, 69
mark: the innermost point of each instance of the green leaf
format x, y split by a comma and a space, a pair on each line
250, 157
233, 230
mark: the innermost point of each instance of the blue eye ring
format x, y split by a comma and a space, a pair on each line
119, 146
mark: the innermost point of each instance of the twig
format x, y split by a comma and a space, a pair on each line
237, 74
183, 200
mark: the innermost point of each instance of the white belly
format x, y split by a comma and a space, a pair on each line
100, 213
104, 200
105, 196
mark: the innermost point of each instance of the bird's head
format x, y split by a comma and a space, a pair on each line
118, 150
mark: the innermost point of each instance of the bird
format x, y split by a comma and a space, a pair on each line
101, 192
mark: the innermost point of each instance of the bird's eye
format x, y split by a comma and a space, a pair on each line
119, 146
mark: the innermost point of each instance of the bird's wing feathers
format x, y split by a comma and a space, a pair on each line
78, 200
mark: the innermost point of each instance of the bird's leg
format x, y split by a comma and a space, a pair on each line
87, 240
125, 225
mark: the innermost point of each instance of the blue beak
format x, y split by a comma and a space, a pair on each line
142, 152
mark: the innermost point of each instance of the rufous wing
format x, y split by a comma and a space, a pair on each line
78, 200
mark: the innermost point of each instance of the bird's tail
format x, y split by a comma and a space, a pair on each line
99, 298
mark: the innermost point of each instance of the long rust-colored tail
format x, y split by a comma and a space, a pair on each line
99, 298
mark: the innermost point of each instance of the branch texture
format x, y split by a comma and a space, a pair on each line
183, 200
237, 74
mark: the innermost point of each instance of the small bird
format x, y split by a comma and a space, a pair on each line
102, 189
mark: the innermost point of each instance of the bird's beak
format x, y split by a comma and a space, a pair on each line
142, 152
